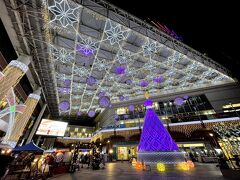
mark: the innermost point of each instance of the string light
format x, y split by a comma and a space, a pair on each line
13, 74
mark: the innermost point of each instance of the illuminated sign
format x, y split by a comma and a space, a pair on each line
52, 128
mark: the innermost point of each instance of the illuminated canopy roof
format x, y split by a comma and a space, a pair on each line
85, 47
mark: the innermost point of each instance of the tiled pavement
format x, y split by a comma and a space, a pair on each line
118, 170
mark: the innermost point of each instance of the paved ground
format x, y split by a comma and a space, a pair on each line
118, 170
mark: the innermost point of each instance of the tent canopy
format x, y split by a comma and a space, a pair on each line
28, 147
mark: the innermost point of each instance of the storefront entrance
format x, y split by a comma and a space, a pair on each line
126, 152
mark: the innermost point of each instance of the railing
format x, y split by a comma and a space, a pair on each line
193, 120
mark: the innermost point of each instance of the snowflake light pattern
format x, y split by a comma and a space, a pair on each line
207, 74
150, 48
132, 71
192, 67
101, 64
112, 77
124, 57
62, 77
81, 71
175, 58
64, 13
87, 47
62, 55
115, 34
77, 86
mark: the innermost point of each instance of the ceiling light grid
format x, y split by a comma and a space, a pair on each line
67, 15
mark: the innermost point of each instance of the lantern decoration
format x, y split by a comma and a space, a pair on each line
116, 117
120, 70
64, 106
158, 79
131, 107
121, 98
190, 164
104, 101
179, 101
183, 166
185, 97
129, 82
161, 167
91, 113
134, 162
91, 81
139, 166
102, 93
67, 82
78, 113
143, 83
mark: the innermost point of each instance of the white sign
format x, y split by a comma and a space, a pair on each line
52, 128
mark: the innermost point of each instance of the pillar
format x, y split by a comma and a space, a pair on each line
36, 124
22, 119
13, 73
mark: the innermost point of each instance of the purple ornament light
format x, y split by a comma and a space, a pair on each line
121, 98
143, 83
78, 113
158, 79
131, 107
126, 98
91, 81
125, 116
64, 105
120, 70
178, 101
100, 94
185, 97
104, 101
91, 113
67, 82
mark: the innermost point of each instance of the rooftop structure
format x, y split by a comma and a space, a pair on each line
85, 49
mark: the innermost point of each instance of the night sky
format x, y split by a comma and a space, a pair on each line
208, 28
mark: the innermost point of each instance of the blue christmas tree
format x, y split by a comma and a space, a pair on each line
155, 136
